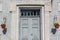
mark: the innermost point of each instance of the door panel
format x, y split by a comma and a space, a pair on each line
35, 28
23, 29
35, 33
24, 22
24, 33
29, 28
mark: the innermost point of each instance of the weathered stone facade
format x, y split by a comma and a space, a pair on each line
10, 10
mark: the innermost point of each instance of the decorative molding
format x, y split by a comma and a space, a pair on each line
29, 5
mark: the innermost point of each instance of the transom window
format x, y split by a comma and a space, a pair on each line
30, 12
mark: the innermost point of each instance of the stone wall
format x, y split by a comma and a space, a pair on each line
8, 9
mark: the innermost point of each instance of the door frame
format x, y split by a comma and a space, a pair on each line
42, 17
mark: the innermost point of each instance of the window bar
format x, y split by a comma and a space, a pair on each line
23, 13
33, 13
36, 13
26, 13
30, 13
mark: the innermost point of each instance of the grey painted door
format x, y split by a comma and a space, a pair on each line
29, 28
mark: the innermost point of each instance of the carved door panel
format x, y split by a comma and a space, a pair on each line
29, 28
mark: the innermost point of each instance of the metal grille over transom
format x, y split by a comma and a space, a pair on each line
30, 12
29, 26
